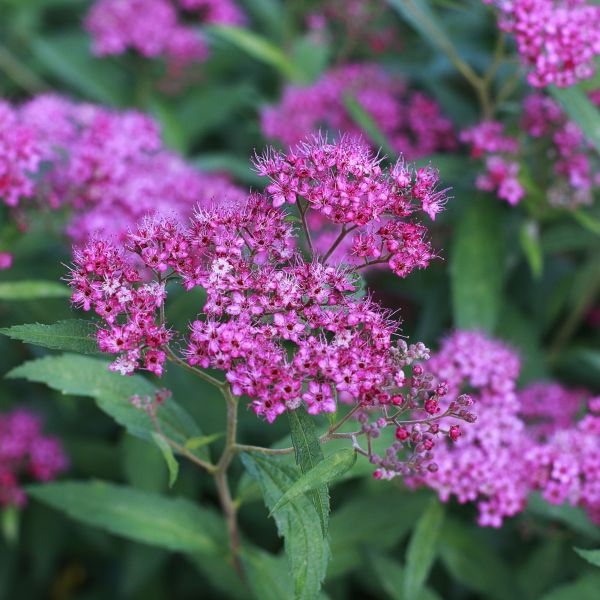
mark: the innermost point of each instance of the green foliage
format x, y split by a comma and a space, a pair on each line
172, 523
297, 522
324, 472
364, 120
477, 266
308, 453
169, 457
32, 290
592, 556
422, 549
73, 335
85, 376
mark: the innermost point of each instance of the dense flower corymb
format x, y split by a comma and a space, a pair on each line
25, 453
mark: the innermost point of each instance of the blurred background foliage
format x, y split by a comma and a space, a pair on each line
527, 276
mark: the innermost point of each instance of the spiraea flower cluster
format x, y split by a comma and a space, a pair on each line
523, 441
559, 40
26, 454
106, 168
411, 121
345, 186
158, 28
488, 141
286, 331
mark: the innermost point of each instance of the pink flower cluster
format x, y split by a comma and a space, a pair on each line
25, 453
344, 184
287, 332
108, 168
576, 164
559, 40
411, 121
488, 140
157, 27
522, 441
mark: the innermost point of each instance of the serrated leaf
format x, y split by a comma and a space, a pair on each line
365, 121
259, 48
330, 468
477, 267
173, 523
592, 556
32, 290
422, 549
306, 549
73, 335
581, 110
86, 376
308, 453
169, 457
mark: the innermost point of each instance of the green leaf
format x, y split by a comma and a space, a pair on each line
203, 440
592, 556
357, 521
310, 57
365, 121
585, 588
67, 57
308, 454
170, 459
422, 549
173, 523
267, 575
530, 243
85, 376
330, 468
258, 48
74, 335
581, 109
477, 267
306, 549
10, 517
472, 561
585, 219
32, 290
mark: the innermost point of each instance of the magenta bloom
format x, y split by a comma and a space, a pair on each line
25, 453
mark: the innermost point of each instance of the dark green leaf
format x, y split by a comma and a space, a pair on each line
585, 588
477, 266
267, 575
422, 549
306, 549
309, 453
73, 335
32, 290
172, 523
585, 219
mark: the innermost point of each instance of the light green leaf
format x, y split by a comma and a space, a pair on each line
477, 266
365, 121
10, 517
585, 219
306, 549
585, 588
170, 459
422, 549
203, 440
173, 523
530, 243
581, 109
86, 376
259, 48
310, 57
74, 335
592, 556
330, 468
32, 290
308, 454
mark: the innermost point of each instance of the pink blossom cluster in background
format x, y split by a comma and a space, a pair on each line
107, 168
523, 441
489, 141
25, 453
157, 27
574, 163
558, 40
344, 184
411, 122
